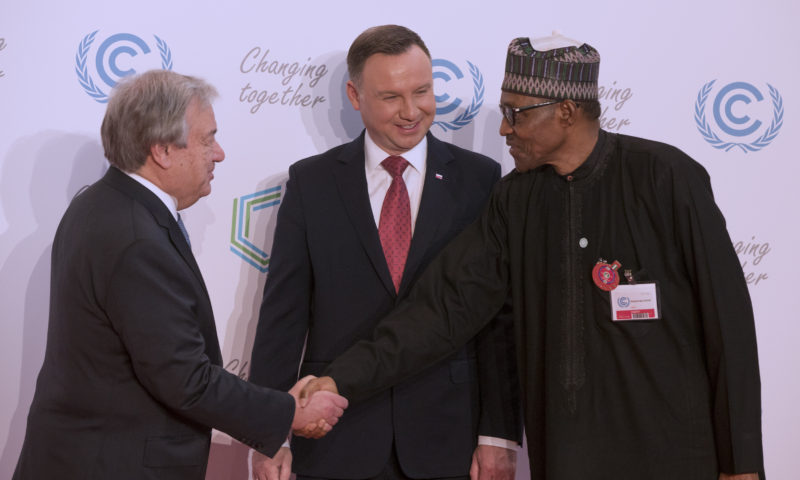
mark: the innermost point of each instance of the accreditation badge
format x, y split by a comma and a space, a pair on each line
635, 302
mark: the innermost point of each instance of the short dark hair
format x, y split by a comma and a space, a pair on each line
591, 108
386, 39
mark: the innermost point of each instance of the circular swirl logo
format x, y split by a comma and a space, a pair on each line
731, 110
448, 73
623, 302
114, 60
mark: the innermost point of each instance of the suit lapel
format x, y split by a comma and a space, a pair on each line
351, 180
160, 213
437, 203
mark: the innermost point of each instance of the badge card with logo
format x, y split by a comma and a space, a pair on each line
635, 302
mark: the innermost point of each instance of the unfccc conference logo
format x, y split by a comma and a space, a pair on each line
742, 115
115, 57
246, 233
450, 79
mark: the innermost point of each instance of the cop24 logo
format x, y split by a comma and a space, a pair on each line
450, 78
114, 59
731, 110
245, 233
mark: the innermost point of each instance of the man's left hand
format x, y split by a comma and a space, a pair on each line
493, 463
278, 467
740, 476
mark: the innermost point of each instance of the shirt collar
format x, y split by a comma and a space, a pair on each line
588, 166
168, 200
374, 155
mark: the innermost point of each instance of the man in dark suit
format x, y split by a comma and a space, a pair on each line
132, 381
356, 227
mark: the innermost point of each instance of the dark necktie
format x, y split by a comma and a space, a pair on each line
183, 231
395, 223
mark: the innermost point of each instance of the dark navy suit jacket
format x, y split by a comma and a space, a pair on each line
328, 286
132, 381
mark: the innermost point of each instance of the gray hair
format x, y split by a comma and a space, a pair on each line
149, 109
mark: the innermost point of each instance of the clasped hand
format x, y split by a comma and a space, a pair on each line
315, 415
313, 418
314, 385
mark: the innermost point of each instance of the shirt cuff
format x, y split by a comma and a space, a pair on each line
497, 442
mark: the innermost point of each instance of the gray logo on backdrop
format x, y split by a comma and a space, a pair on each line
2, 47
614, 97
751, 254
239, 367
295, 80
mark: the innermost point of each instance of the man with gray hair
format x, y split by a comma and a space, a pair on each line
636, 340
132, 381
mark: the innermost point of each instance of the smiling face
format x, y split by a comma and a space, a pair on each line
537, 136
395, 97
194, 163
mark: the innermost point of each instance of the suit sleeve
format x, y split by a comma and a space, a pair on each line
285, 309
459, 294
153, 300
727, 319
501, 409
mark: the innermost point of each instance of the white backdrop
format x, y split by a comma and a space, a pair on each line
658, 65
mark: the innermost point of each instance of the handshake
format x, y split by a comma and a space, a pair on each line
317, 406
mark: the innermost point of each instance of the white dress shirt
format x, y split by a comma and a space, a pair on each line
379, 180
168, 200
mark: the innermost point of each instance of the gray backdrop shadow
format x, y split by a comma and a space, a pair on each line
62, 165
334, 121
228, 459
328, 124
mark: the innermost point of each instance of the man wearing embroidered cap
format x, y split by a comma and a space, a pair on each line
636, 338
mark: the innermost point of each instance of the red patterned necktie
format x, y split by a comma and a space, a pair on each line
395, 223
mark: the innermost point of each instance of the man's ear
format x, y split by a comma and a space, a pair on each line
567, 112
161, 155
352, 95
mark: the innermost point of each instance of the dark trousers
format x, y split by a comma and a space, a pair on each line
392, 471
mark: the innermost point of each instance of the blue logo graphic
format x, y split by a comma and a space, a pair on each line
730, 109
111, 57
623, 302
448, 73
242, 243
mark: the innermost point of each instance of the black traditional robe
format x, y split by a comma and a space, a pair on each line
674, 398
